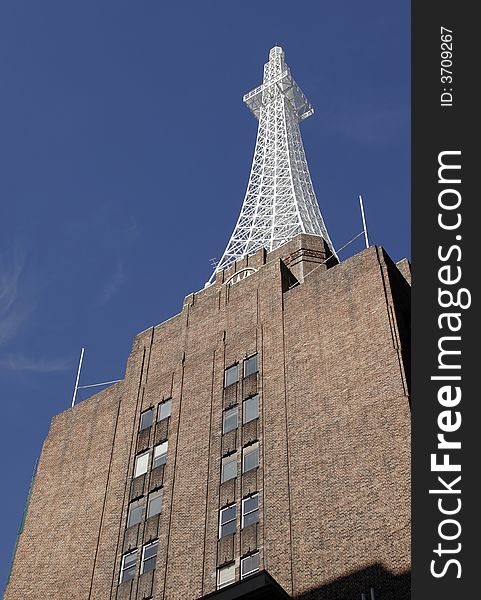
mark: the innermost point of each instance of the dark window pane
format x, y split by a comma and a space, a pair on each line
227, 520
249, 565
250, 365
251, 504
227, 529
128, 567
231, 375
228, 514
135, 513
155, 503
229, 468
164, 410
251, 408
146, 419
230, 419
149, 557
251, 458
252, 517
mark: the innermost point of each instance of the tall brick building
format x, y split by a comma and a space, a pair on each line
257, 447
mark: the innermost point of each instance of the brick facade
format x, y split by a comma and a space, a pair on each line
332, 432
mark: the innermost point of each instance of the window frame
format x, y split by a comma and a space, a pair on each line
228, 369
244, 513
161, 404
123, 569
159, 493
250, 449
144, 560
142, 414
137, 458
224, 568
244, 411
246, 360
233, 410
242, 561
229, 459
166, 444
234, 520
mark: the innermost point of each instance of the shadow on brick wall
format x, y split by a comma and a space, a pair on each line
385, 584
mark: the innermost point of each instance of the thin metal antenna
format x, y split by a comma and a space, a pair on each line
363, 221
78, 375
83, 387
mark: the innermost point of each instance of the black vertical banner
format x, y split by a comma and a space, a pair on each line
446, 172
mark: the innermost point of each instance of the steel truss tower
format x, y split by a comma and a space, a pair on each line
280, 201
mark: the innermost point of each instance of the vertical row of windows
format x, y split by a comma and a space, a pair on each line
226, 575
151, 505
128, 567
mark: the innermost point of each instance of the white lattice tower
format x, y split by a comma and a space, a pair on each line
280, 201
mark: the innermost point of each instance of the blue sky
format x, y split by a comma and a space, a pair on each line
125, 150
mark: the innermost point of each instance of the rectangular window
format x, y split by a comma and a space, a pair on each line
149, 557
231, 375
250, 457
141, 463
146, 419
225, 575
160, 454
230, 420
154, 506
250, 510
227, 520
127, 568
249, 565
136, 508
229, 467
251, 365
164, 410
251, 408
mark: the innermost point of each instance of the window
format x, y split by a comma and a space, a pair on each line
127, 568
164, 410
250, 365
160, 454
251, 409
136, 509
229, 467
149, 557
146, 419
250, 510
154, 506
250, 457
249, 565
225, 575
141, 463
230, 420
231, 375
227, 520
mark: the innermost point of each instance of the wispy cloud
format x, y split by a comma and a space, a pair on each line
114, 281
18, 362
15, 307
